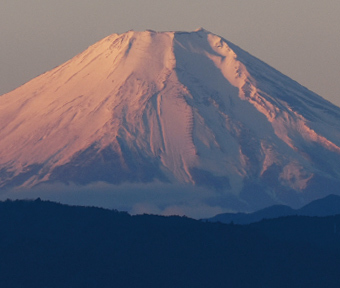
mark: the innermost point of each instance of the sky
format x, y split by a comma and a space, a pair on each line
300, 38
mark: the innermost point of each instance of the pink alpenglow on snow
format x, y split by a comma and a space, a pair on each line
172, 108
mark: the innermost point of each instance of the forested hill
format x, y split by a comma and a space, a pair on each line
45, 244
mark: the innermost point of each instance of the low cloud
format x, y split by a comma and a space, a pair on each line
155, 198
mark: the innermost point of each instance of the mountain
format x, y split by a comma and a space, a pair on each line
328, 206
175, 108
45, 244
271, 212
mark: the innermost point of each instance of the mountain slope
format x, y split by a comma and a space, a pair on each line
328, 206
271, 212
173, 107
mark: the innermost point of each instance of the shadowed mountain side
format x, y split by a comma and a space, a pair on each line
44, 244
106, 165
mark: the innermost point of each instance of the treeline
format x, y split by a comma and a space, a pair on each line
45, 244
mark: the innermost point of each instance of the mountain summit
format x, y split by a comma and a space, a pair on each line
172, 107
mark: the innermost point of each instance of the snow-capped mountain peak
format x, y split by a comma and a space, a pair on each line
175, 107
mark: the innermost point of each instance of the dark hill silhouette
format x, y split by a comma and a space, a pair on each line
44, 244
330, 205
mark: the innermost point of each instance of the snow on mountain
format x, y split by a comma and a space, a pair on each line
172, 107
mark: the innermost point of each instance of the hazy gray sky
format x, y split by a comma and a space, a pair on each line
298, 37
